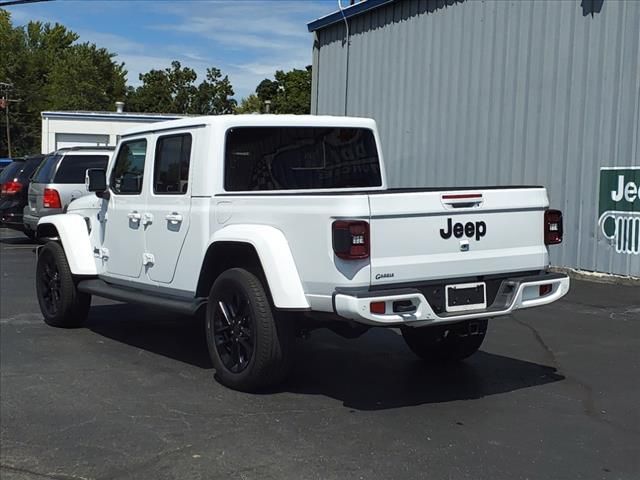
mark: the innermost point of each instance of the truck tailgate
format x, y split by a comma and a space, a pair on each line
417, 236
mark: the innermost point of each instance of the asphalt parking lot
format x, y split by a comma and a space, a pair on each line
554, 394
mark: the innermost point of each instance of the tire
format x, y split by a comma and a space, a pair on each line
61, 304
446, 343
250, 348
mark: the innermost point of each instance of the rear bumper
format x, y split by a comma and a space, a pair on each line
514, 293
11, 213
30, 221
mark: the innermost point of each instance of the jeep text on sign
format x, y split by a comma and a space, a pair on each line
619, 208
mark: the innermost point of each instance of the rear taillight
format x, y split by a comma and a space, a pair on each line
552, 227
11, 188
350, 239
51, 199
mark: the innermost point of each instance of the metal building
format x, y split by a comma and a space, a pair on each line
71, 129
497, 92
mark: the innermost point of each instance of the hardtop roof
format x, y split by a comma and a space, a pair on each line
254, 120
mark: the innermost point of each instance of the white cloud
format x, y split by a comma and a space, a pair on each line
248, 40
271, 35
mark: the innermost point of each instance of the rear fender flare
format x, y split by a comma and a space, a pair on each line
276, 258
73, 235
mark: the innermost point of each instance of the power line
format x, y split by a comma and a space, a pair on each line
7, 3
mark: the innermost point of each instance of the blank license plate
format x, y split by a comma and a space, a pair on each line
466, 296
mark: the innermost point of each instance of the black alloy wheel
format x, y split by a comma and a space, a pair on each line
250, 345
234, 330
61, 304
49, 285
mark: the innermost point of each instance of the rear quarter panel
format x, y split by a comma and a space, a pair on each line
305, 221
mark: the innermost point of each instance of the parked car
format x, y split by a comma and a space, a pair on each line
4, 162
275, 225
60, 179
14, 184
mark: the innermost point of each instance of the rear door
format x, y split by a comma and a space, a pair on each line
166, 217
421, 236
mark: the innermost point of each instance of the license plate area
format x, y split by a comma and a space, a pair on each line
466, 296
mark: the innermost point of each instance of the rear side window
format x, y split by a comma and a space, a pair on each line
73, 168
171, 168
128, 172
287, 158
45, 171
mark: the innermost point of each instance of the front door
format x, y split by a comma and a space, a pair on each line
168, 206
123, 228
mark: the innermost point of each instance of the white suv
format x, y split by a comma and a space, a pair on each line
276, 225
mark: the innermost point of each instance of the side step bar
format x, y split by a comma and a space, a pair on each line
98, 287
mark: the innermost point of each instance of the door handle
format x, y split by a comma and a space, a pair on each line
134, 216
174, 217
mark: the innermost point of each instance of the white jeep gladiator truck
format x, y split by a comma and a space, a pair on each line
271, 226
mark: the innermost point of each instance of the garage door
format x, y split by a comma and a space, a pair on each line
65, 140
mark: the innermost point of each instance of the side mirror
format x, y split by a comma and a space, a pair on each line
96, 180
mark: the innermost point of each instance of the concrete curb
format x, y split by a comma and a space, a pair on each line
598, 276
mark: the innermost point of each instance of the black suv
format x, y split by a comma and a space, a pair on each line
14, 187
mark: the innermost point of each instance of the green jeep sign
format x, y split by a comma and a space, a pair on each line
619, 208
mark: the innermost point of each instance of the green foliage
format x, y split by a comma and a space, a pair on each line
73, 80
214, 94
49, 71
250, 104
289, 92
173, 90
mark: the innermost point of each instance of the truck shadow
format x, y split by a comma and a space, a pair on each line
373, 372
17, 240
378, 372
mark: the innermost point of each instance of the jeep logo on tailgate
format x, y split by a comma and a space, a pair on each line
469, 229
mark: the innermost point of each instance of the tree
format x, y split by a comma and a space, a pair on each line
48, 71
85, 78
250, 104
214, 94
289, 92
173, 90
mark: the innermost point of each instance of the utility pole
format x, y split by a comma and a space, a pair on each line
5, 101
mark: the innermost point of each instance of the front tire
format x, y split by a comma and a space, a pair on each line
446, 343
61, 304
249, 347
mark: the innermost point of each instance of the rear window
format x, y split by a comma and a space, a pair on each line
30, 165
73, 168
11, 171
45, 171
288, 158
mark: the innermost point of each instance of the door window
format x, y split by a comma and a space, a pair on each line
128, 171
171, 168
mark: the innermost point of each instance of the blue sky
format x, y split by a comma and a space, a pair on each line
247, 39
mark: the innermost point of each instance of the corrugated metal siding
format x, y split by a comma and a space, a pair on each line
496, 92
